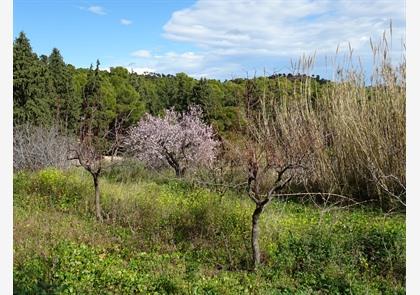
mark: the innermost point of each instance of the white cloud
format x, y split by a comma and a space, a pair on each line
141, 53
283, 27
242, 37
186, 61
96, 10
125, 22
108, 69
172, 62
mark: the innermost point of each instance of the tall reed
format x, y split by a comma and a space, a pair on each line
356, 122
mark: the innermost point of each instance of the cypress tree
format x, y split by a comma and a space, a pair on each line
31, 85
66, 103
98, 107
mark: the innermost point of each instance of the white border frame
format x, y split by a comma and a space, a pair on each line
6, 146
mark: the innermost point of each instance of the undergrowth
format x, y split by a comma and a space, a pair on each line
169, 237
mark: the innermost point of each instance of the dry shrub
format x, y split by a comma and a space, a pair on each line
36, 147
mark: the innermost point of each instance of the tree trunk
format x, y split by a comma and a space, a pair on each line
179, 172
256, 255
97, 199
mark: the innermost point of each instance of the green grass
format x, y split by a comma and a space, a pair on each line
167, 237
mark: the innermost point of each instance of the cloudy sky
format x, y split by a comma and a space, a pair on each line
206, 38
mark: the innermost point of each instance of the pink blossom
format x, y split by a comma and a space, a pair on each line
177, 140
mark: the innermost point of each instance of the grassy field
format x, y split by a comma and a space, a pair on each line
169, 237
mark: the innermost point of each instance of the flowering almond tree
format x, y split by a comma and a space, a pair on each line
180, 141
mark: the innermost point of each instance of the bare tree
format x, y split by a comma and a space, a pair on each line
263, 188
90, 151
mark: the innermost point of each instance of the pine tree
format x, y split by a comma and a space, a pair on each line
182, 98
201, 93
129, 106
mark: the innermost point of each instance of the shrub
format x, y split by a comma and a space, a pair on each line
380, 251
32, 277
342, 259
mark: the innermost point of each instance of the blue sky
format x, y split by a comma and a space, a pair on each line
206, 38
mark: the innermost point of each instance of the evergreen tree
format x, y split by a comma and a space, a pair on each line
182, 97
98, 107
129, 107
166, 90
31, 85
148, 91
200, 94
44, 59
66, 104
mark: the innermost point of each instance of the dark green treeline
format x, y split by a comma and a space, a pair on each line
48, 91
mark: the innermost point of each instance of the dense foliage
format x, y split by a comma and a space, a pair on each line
47, 90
